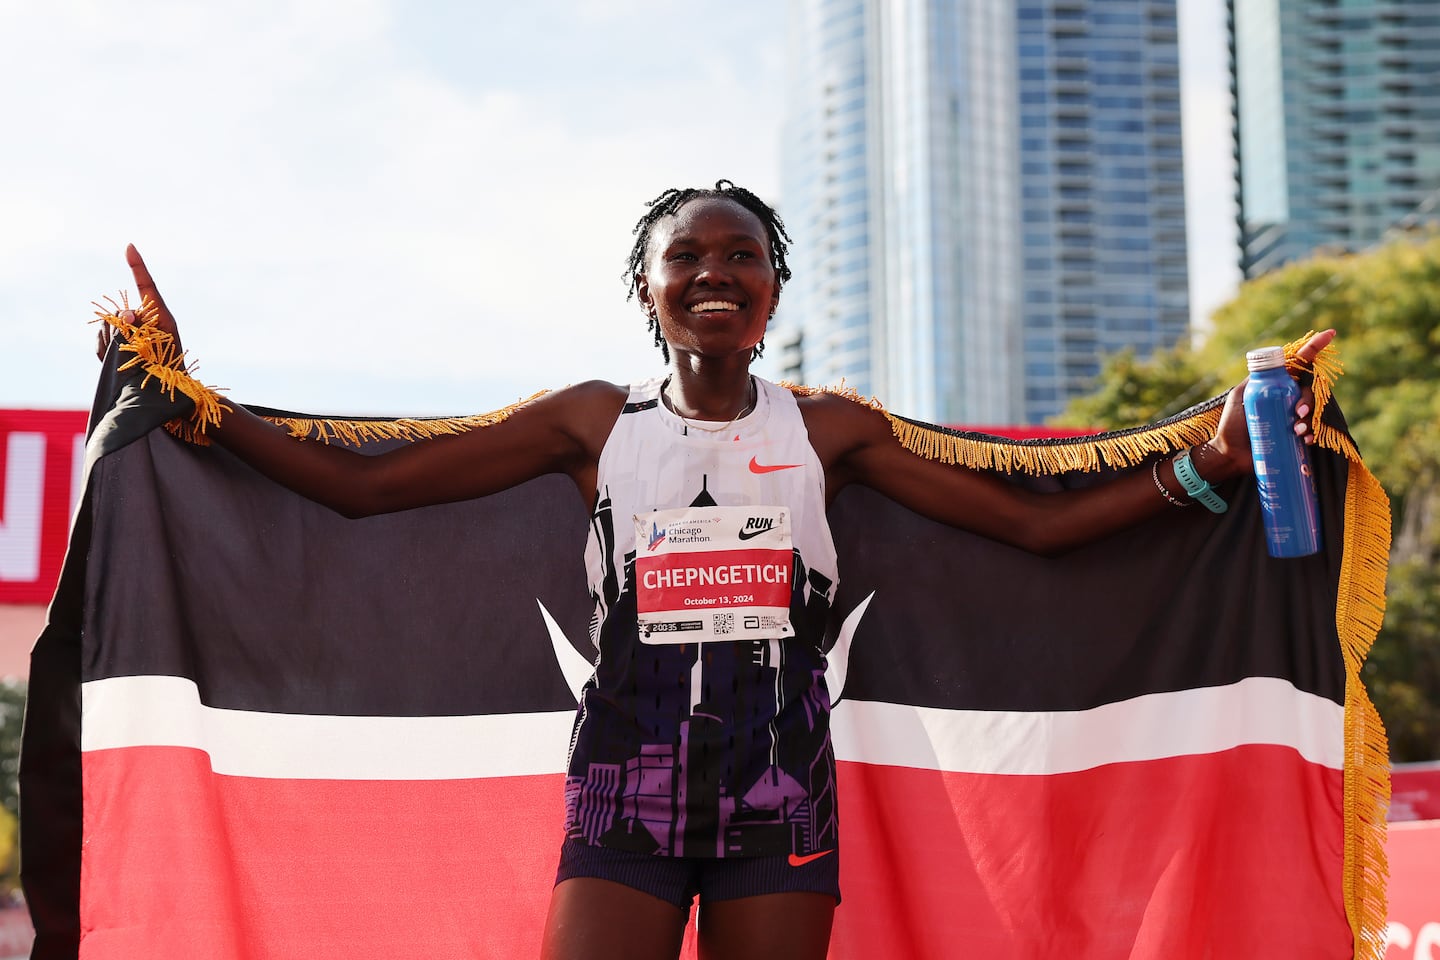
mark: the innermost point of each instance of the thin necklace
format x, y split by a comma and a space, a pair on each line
670, 402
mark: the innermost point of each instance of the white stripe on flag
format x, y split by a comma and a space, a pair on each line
166, 711
1257, 710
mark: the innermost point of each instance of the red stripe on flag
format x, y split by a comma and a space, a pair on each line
183, 863
1234, 854
1228, 855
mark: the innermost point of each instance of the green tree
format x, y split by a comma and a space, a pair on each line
12, 712
1385, 305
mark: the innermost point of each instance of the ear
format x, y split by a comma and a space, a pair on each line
642, 293
775, 303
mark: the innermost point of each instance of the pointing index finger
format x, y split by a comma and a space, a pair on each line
144, 283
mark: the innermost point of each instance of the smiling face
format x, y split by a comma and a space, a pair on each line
708, 279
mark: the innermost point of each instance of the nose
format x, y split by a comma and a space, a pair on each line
714, 270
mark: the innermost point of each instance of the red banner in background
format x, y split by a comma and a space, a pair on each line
1414, 851
41, 455
1415, 793
1413, 932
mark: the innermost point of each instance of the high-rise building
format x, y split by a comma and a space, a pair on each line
986, 197
827, 197
1337, 122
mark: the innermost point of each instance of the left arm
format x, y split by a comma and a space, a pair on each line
857, 445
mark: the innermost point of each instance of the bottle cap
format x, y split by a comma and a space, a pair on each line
1266, 358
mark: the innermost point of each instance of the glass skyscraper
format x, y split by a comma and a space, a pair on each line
1337, 122
828, 202
986, 197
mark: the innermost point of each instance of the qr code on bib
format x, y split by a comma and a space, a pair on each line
724, 623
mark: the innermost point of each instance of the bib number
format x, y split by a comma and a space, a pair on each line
713, 573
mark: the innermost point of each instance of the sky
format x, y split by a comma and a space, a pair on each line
369, 207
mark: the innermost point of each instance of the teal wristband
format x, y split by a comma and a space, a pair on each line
1195, 485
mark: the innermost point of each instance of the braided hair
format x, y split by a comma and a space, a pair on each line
672, 200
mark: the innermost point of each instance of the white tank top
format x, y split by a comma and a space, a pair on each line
654, 460
718, 748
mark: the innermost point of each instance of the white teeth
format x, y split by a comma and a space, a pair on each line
714, 305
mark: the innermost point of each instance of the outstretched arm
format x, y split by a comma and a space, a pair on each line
561, 432
857, 445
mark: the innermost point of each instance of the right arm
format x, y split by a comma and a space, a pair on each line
562, 432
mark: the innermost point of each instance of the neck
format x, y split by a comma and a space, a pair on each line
713, 395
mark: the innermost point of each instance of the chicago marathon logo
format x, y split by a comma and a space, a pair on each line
657, 536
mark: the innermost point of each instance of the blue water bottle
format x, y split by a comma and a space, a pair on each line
1282, 467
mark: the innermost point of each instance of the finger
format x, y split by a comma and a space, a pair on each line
1312, 347
144, 283
1303, 408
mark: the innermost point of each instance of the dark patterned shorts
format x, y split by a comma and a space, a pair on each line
679, 880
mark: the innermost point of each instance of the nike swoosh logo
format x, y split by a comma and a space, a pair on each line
757, 467
752, 534
801, 861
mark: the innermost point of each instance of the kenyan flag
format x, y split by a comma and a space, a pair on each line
258, 730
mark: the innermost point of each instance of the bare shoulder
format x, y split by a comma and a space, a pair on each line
586, 411
589, 393
830, 411
839, 426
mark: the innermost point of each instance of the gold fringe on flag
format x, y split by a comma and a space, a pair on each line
357, 431
1040, 457
157, 354
1122, 448
1359, 609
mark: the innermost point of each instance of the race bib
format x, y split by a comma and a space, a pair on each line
713, 573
